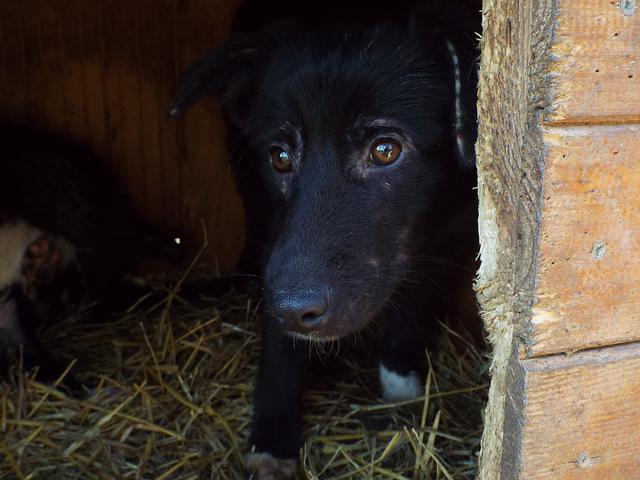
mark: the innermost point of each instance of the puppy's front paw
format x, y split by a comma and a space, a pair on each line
397, 387
264, 466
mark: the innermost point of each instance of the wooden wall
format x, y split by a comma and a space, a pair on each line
102, 73
559, 161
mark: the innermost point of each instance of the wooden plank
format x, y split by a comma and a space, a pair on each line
56, 110
515, 43
150, 108
41, 51
164, 58
90, 27
568, 282
122, 90
10, 55
69, 71
581, 417
596, 62
203, 161
588, 293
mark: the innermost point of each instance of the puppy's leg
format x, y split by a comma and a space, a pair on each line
402, 357
275, 437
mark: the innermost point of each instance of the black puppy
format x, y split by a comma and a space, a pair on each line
363, 128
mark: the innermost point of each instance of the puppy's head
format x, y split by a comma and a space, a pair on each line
354, 135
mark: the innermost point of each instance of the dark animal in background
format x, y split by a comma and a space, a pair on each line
67, 238
361, 124
32, 264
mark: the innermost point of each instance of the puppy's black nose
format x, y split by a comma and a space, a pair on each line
302, 311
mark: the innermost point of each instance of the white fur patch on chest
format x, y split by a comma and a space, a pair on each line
15, 237
396, 387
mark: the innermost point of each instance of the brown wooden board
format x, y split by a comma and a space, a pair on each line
102, 74
558, 157
596, 65
588, 290
515, 43
581, 418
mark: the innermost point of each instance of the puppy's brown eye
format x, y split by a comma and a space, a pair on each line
280, 160
384, 152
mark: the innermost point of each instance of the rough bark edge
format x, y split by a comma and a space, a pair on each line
515, 49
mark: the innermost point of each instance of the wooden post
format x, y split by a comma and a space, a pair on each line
559, 284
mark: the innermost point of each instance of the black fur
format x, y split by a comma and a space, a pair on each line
349, 240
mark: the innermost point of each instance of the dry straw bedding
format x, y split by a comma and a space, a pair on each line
173, 401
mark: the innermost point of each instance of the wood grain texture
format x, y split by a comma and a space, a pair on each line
515, 44
596, 63
560, 228
102, 75
587, 292
581, 417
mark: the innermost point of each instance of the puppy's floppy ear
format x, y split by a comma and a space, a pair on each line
226, 73
454, 31
464, 77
